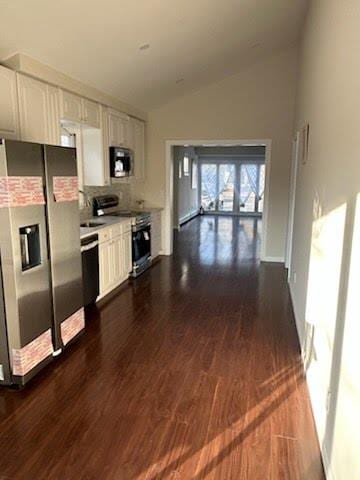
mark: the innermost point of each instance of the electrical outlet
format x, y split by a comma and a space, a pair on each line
294, 278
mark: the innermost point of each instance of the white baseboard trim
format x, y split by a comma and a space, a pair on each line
329, 474
296, 317
325, 459
273, 259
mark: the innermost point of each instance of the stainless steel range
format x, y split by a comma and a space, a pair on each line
141, 230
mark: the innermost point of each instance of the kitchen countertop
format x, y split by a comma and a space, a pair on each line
108, 220
105, 221
147, 209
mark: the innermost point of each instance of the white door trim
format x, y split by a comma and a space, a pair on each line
167, 229
292, 201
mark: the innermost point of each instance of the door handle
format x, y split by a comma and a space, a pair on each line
25, 249
85, 248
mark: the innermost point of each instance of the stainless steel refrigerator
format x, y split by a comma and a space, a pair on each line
41, 306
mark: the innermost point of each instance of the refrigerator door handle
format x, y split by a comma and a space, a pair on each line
25, 249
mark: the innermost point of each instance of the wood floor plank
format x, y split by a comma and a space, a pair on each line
193, 371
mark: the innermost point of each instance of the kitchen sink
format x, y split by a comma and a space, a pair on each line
91, 224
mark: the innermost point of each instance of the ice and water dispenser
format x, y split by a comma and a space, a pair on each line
30, 247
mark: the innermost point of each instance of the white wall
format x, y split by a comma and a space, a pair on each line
186, 199
257, 103
326, 246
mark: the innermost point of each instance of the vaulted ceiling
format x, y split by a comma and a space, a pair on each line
186, 44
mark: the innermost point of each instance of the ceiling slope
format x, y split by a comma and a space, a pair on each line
192, 43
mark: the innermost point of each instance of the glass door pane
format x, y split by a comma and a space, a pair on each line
209, 186
252, 185
226, 187
248, 187
261, 188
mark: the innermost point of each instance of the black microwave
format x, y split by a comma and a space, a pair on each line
121, 162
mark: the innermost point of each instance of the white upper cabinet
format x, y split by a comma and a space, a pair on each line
54, 136
33, 111
91, 113
79, 110
139, 148
9, 121
105, 145
38, 111
71, 107
96, 153
119, 129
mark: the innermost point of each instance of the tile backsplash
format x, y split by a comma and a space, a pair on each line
120, 189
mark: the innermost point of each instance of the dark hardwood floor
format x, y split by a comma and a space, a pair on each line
193, 371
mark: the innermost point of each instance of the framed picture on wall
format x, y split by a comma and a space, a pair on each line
305, 132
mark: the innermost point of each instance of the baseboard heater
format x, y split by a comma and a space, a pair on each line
188, 217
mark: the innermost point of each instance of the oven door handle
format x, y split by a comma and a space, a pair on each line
85, 248
139, 227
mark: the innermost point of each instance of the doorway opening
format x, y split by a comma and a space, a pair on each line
216, 178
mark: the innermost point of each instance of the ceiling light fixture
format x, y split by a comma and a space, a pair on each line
146, 46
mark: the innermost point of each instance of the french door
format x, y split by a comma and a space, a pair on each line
232, 187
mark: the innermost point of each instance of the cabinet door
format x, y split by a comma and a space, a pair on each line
33, 109
125, 133
113, 129
118, 260
127, 252
91, 113
9, 124
139, 149
53, 115
71, 107
105, 266
105, 171
118, 129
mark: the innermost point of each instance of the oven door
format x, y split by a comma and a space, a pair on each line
141, 245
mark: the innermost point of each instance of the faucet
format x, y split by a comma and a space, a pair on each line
87, 199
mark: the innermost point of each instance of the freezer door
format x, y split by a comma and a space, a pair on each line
24, 256
4, 347
31, 296
63, 219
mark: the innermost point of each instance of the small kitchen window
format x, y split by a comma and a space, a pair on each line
186, 166
71, 137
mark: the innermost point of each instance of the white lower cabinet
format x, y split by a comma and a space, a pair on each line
115, 262
118, 263
105, 267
